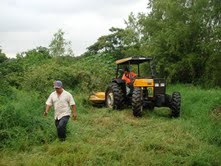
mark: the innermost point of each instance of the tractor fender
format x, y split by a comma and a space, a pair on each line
118, 81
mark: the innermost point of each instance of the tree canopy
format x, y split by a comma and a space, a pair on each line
183, 36
2, 56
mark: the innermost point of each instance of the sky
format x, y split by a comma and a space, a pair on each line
27, 24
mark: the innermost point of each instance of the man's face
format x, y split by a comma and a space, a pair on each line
58, 90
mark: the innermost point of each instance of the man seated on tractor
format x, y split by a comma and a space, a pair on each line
129, 78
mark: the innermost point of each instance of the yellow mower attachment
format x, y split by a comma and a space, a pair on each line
97, 98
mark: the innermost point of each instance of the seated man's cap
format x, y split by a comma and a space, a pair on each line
57, 84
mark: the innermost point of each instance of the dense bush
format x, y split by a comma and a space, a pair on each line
5, 92
86, 74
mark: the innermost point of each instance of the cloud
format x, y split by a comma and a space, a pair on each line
68, 6
28, 24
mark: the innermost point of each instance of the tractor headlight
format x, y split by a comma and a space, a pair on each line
157, 84
162, 84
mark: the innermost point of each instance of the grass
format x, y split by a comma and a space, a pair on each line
104, 137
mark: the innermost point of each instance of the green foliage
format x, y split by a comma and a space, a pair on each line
212, 73
2, 56
202, 109
112, 43
100, 69
85, 74
183, 36
13, 70
5, 92
41, 77
34, 57
22, 123
59, 46
121, 42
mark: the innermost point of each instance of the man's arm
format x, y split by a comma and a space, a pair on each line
74, 115
49, 103
124, 78
47, 108
133, 76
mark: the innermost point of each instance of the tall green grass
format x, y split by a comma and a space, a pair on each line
21, 122
198, 109
101, 136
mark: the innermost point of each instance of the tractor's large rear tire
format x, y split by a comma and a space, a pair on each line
175, 104
114, 96
137, 102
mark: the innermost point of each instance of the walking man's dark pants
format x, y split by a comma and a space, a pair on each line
61, 127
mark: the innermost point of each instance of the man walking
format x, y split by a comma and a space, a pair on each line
63, 103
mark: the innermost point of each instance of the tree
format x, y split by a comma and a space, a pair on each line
119, 43
33, 57
2, 56
183, 35
59, 46
112, 43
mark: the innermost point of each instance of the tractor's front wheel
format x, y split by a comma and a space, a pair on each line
114, 96
137, 102
175, 104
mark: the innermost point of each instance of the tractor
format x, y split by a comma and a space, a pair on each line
148, 91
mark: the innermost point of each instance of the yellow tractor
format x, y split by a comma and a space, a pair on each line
147, 91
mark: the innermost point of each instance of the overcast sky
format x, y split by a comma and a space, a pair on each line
27, 24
